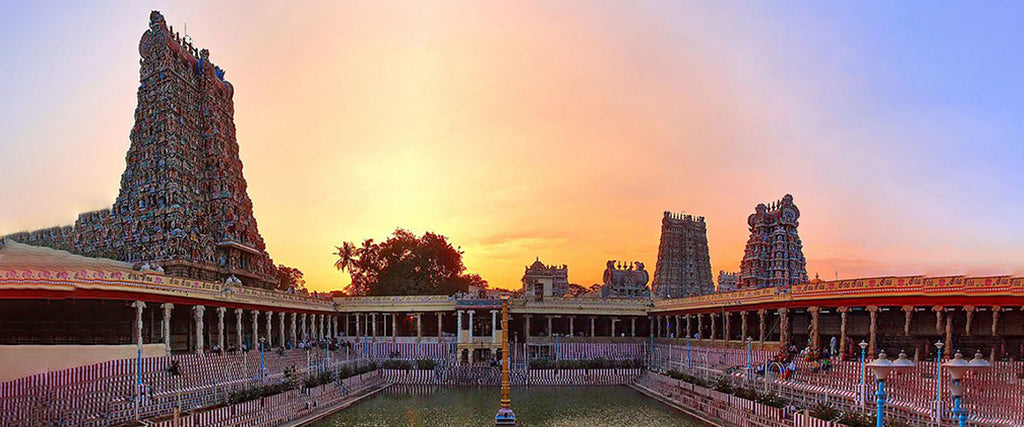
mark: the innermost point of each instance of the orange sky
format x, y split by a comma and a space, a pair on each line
522, 129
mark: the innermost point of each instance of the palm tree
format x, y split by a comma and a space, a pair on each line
346, 256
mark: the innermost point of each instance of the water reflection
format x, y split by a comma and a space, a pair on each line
536, 406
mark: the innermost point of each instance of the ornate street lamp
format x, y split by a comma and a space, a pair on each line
882, 367
938, 380
263, 364
750, 343
689, 362
958, 368
863, 374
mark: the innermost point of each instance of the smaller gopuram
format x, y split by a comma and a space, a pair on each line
684, 263
774, 254
727, 281
541, 280
625, 280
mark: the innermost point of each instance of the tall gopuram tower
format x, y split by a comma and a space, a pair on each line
183, 204
684, 264
774, 254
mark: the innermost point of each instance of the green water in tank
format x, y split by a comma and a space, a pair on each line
535, 406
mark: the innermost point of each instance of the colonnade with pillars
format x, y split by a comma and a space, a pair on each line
995, 330
570, 325
211, 328
486, 323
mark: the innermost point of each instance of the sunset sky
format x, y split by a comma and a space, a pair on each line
558, 129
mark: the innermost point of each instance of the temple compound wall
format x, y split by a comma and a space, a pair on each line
684, 263
183, 204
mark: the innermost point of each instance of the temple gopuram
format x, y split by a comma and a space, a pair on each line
774, 255
183, 206
684, 263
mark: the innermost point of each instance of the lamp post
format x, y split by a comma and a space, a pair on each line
958, 368
263, 364
938, 381
327, 345
750, 343
863, 374
505, 416
689, 363
882, 367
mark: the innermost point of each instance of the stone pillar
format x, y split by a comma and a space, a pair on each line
743, 325
255, 329
947, 349
783, 328
526, 332
220, 327
166, 325
650, 325
572, 331
873, 332
615, 322
419, 325
471, 325
270, 331
347, 327
374, 324
969, 311
292, 328
815, 336
938, 309
334, 326
281, 339
714, 320
689, 330
842, 329
908, 314
238, 329
439, 324
197, 312
593, 332
726, 333
359, 325
303, 328
995, 319
458, 330
549, 325
632, 326
760, 316
659, 319
700, 327
394, 326
137, 329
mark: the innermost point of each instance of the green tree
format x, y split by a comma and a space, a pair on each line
405, 264
289, 278
577, 290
